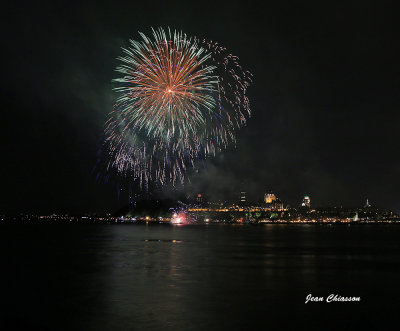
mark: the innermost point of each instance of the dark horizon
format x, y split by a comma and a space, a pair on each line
324, 101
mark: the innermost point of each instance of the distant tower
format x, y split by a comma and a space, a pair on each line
269, 197
306, 202
367, 205
242, 197
199, 198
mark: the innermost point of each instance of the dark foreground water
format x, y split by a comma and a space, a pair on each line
217, 277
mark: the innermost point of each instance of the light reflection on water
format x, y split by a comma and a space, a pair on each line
132, 277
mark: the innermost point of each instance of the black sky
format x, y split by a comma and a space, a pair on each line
325, 99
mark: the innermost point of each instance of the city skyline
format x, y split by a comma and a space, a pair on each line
269, 201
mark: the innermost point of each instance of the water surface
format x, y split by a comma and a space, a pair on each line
216, 277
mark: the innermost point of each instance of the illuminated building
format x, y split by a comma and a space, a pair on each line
277, 204
242, 198
269, 197
367, 205
272, 201
306, 201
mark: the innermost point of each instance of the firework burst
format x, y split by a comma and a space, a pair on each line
166, 88
180, 99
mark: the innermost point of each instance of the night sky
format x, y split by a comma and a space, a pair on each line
325, 100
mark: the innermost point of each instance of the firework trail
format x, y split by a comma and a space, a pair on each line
179, 99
